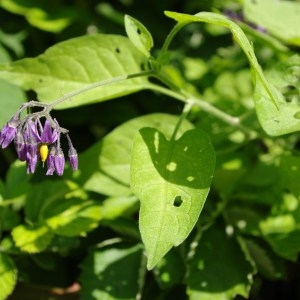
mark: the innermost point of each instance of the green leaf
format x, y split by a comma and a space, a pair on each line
42, 15
9, 218
112, 273
170, 270
107, 163
11, 98
172, 179
276, 116
219, 269
44, 194
267, 263
71, 217
290, 173
17, 181
139, 35
115, 207
32, 238
279, 19
77, 63
8, 276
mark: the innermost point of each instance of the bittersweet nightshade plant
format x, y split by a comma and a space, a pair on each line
188, 194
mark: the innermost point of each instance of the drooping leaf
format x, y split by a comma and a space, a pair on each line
112, 273
172, 179
8, 276
278, 18
107, 163
276, 116
77, 63
139, 35
32, 238
219, 269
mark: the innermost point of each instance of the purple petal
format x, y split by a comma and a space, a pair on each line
51, 162
73, 156
48, 136
32, 126
73, 162
9, 131
59, 162
31, 148
20, 146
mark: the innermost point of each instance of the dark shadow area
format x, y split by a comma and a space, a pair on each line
188, 161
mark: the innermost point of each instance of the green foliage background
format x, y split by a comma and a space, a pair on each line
202, 155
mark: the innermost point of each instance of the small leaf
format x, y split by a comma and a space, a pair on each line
32, 239
172, 179
139, 35
219, 269
112, 273
8, 276
77, 63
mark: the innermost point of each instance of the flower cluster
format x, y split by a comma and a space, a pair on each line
35, 140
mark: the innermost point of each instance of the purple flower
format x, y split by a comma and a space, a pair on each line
33, 139
9, 131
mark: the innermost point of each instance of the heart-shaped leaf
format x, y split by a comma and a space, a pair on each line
172, 179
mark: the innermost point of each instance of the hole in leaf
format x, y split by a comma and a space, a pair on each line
138, 31
177, 201
118, 50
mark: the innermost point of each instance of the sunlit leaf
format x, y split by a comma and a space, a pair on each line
275, 115
139, 35
172, 179
77, 63
32, 239
278, 18
11, 98
8, 276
